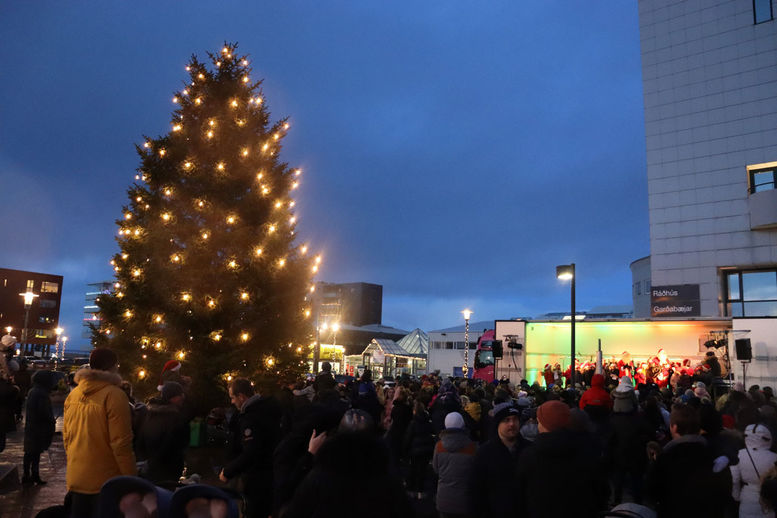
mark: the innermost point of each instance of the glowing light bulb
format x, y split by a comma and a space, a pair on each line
258, 251
125, 256
188, 68
281, 262
286, 125
120, 294
138, 199
177, 127
186, 297
116, 269
128, 215
294, 185
141, 374
276, 136
292, 220
115, 285
230, 219
162, 152
185, 91
168, 191
220, 166
158, 345
158, 319
265, 147
304, 249
166, 216
175, 258
258, 100
205, 235
307, 312
218, 63
187, 165
278, 204
297, 172
128, 314
234, 103
212, 122
313, 288
175, 100
211, 303
259, 176
265, 190
200, 76
315, 268
225, 50
318, 259
244, 337
271, 229
137, 230
232, 264
245, 79
137, 272
240, 122
245, 151
146, 145
209, 134
200, 203
198, 100
292, 203
244, 295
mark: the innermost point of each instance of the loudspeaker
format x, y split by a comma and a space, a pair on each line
496, 348
744, 351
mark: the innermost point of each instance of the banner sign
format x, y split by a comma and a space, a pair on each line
675, 301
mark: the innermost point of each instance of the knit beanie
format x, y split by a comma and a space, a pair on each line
102, 359
504, 410
170, 390
454, 420
553, 415
624, 384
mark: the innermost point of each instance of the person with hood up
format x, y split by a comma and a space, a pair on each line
164, 436
454, 456
492, 479
419, 444
755, 460
624, 397
558, 445
97, 432
38, 425
596, 397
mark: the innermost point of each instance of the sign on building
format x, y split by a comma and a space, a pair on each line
675, 301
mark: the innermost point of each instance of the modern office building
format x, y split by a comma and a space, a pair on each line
29, 306
446, 347
91, 316
709, 73
353, 303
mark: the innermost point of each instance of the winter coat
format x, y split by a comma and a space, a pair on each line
255, 433
454, 457
97, 431
419, 437
596, 395
365, 398
577, 454
624, 401
39, 421
9, 393
162, 441
357, 467
401, 416
324, 381
685, 467
746, 480
629, 434
492, 479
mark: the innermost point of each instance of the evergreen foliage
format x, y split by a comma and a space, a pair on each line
208, 270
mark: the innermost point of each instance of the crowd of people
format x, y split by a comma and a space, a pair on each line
611, 443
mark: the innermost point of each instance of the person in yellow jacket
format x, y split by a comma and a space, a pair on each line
97, 432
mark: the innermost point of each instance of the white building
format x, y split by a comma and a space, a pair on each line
709, 71
446, 347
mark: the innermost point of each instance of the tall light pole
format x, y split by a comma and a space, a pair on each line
58, 332
566, 272
465, 368
29, 296
64, 343
317, 349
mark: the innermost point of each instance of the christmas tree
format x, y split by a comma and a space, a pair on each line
208, 269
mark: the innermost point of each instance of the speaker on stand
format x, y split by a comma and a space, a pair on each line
744, 355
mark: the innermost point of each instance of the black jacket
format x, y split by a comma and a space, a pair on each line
9, 393
492, 483
39, 421
357, 467
162, 441
324, 381
629, 434
684, 470
255, 432
578, 457
419, 437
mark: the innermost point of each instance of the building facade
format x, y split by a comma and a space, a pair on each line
709, 73
355, 303
33, 324
91, 311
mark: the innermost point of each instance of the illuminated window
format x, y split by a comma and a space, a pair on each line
762, 11
751, 293
49, 287
46, 303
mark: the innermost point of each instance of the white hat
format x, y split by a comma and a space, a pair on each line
454, 420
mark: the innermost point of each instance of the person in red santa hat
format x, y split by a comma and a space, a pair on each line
548, 375
172, 372
625, 364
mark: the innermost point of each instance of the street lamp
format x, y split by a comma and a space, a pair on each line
64, 343
566, 272
465, 368
317, 349
29, 296
58, 332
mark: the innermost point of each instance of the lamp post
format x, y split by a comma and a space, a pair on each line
317, 349
335, 328
29, 297
58, 332
566, 272
465, 368
64, 343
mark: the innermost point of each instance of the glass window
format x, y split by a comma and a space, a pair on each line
30, 284
47, 303
733, 286
762, 179
49, 287
762, 11
761, 309
759, 286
